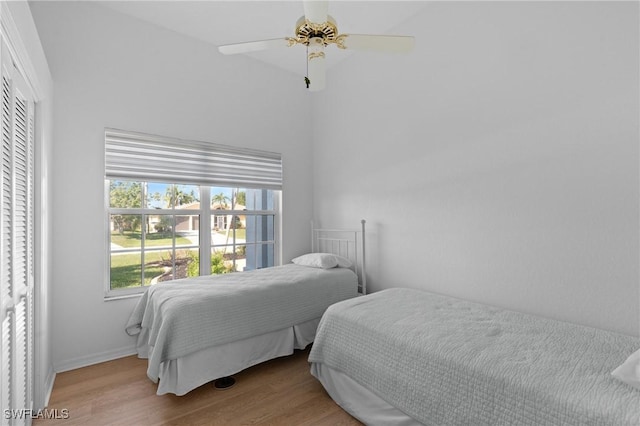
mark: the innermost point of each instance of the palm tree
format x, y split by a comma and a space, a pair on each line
178, 197
220, 199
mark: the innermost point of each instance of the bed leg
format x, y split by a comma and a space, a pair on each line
224, 383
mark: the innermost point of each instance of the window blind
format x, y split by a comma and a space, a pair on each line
147, 157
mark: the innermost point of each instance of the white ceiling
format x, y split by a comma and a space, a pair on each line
226, 22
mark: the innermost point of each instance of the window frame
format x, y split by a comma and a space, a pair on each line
205, 245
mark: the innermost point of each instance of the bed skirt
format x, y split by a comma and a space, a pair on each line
184, 374
361, 403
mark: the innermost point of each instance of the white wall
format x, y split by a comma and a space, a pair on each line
33, 64
110, 70
498, 162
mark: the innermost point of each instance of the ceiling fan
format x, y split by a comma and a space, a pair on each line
316, 30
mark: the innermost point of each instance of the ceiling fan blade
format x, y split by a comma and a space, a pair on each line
316, 10
254, 46
316, 67
382, 43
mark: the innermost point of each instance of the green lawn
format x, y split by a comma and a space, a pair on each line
130, 239
126, 269
240, 233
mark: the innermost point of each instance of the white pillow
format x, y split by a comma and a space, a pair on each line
322, 260
317, 260
629, 371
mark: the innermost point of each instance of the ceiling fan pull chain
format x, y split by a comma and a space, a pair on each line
306, 77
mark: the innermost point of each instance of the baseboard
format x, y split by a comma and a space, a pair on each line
86, 361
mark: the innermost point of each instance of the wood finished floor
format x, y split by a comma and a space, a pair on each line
277, 392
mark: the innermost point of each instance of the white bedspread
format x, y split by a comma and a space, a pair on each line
183, 316
445, 361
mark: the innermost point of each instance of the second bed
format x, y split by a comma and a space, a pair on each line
410, 357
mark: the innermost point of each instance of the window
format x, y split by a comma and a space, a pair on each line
176, 227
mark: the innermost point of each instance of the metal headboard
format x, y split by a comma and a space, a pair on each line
347, 243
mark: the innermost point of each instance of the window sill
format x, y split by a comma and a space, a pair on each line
111, 297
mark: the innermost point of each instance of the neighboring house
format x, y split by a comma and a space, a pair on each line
187, 222
221, 221
190, 222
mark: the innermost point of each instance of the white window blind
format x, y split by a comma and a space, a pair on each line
146, 157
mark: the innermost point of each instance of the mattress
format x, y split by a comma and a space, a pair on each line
442, 360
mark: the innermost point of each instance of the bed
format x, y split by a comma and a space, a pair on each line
196, 330
407, 357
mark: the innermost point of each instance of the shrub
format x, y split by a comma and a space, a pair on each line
217, 264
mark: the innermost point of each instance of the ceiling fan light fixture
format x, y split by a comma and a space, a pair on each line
306, 30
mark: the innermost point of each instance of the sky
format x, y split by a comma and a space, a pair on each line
161, 188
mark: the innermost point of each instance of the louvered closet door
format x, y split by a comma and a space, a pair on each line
16, 295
